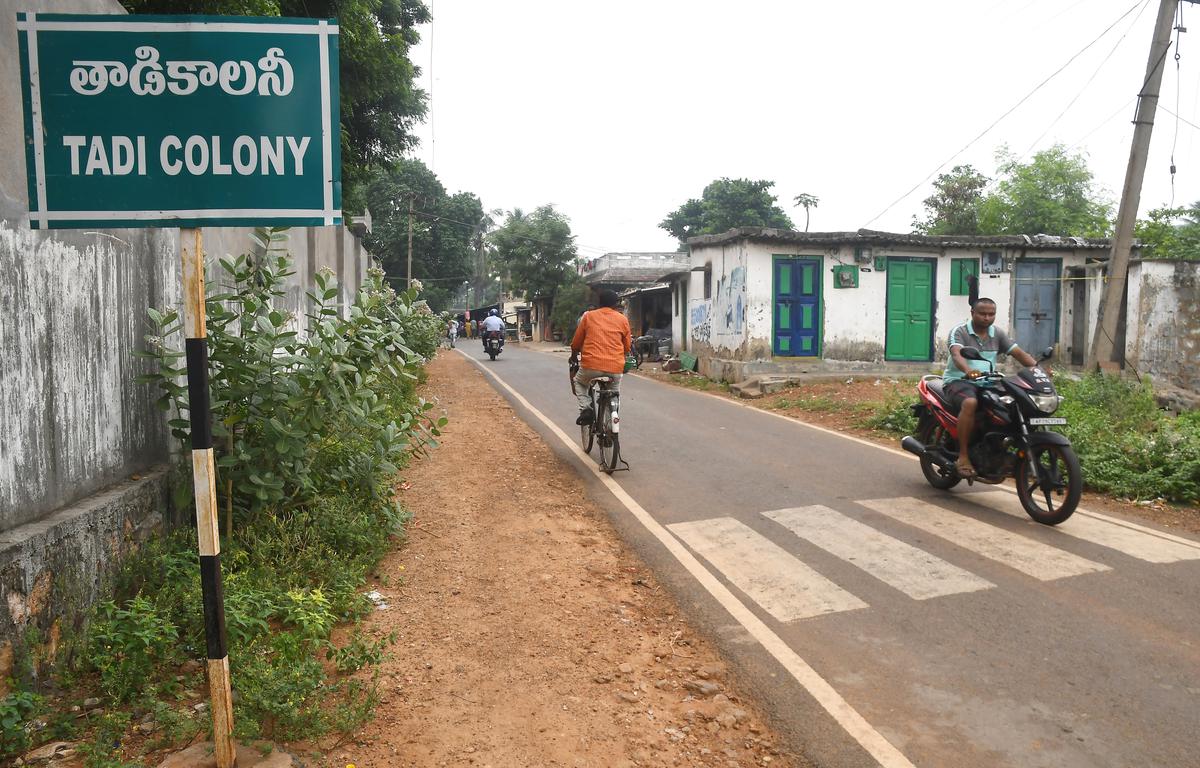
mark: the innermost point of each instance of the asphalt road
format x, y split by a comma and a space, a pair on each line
944, 625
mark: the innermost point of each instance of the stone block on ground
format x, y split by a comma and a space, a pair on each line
201, 756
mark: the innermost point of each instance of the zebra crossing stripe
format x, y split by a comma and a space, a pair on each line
1141, 544
914, 572
1041, 561
782, 585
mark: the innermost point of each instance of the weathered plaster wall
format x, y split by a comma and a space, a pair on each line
72, 417
1163, 336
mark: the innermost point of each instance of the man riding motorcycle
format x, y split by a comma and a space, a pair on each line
959, 383
492, 323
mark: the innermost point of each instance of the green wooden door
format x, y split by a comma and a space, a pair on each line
909, 309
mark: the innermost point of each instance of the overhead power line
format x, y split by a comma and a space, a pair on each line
1008, 112
439, 217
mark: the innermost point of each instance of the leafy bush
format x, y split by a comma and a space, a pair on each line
311, 430
126, 644
16, 710
1126, 444
299, 415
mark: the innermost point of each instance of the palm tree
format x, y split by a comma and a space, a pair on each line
807, 201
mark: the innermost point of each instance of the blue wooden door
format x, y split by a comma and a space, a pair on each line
1035, 309
797, 315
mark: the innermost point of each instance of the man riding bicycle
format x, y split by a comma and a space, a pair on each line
599, 347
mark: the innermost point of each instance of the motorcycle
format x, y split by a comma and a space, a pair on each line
1010, 439
493, 343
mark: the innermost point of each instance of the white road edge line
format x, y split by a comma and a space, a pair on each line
839, 709
907, 455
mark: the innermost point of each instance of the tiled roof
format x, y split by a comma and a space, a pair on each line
869, 237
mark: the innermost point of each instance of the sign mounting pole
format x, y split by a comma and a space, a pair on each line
191, 254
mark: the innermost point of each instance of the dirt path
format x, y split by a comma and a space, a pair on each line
529, 634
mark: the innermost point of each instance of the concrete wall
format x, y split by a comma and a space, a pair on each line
1163, 335
853, 319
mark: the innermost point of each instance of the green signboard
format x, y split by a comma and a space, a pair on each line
180, 121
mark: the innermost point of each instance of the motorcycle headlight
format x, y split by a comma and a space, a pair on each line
1046, 403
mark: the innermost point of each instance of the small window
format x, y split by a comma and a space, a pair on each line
708, 282
960, 270
845, 276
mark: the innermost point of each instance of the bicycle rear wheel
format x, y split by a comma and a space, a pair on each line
610, 442
587, 435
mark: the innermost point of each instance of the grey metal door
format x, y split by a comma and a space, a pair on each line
1036, 303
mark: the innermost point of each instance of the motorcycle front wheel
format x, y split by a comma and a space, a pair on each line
933, 435
1053, 501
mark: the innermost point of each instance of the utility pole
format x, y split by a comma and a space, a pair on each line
410, 215
1101, 353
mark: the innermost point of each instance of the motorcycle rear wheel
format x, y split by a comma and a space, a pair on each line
491, 354
933, 435
1040, 503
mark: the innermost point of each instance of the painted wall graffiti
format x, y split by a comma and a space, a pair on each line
729, 306
700, 320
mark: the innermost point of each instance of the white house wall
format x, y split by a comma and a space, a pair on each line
854, 320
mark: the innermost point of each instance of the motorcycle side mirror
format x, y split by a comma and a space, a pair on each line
971, 353
1047, 353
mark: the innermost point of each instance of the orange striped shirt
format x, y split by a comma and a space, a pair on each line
603, 339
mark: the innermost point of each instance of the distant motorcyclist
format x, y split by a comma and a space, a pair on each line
492, 323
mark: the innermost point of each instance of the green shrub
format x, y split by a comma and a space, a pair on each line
311, 432
893, 414
16, 711
1128, 446
126, 644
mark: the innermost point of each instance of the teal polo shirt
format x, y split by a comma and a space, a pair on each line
993, 345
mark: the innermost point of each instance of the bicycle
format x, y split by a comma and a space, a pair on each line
605, 426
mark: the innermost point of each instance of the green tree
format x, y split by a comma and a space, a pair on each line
806, 201
1170, 233
953, 208
536, 250
379, 101
570, 301
444, 229
1054, 193
726, 204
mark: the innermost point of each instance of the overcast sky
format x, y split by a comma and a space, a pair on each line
618, 112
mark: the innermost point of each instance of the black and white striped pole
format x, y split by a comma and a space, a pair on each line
191, 250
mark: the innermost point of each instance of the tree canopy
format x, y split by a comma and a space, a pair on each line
446, 230
1170, 233
953, 208
726, 204
379, 101
1054, 193
536, 250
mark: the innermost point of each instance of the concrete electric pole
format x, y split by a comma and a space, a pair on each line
410, 215
1103, 337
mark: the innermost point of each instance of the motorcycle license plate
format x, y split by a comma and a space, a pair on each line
1048, 421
